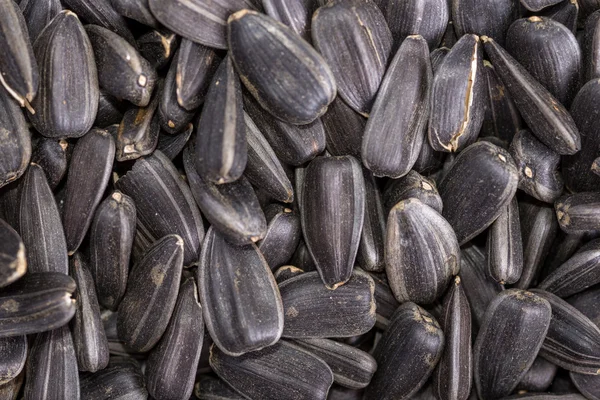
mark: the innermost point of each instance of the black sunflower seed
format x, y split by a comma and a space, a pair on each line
14, 354
295, 13
344, 129
196, 66
286, 272
588, 385
505, 245
52, 155
102, 13
13, 263
15, 147
412, 185
137, 10
38, 14
537, 5
370, 254
122, 378
539, 377
282, 237
158, 47
578, 212
209, 388
172, 145
491, 18
138, 131
173, 117
110, 110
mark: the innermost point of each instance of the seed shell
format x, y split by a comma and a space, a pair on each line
138, 131
51, 155
158, 47
370, 254
13, 263
333, 207
123, 379
38, 14
151, 294
344, 129
512, 333
539, 377
294, 13
14, 354
591, 47
414, 340
491, 18
237, 281
283, 370
137, 10
172, 145
385, 301
286, 272
264, 50
209, 388
282, 237
586, 303
578, 212
356, 42
563, 247
588, 385
302, 258
537, 5
565, 12
313, 311
102, 13
173, 117
412, 185
110, 110
196, 66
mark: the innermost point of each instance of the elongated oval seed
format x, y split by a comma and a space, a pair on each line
421, 253
40, 224
354, 38
122, 378
294, 13
237, 281
13, 351
89, 172
67, 100
313, 311
51, 155
13, 263
256, 44
512, 332
547, 118
414, 340
137, 10
344, 129
505, 246
410, 185
333, 208
491, 18
283, 370
282, 237
371, 248
15, 147
111, 239
38, 14
481, 181
578, 212
171, 366
196, 66
221, 147
151, 294
457, 108
18, 66
588, 385
396, 127
138, 131
158, 47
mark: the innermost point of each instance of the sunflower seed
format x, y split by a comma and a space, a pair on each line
158, 47
344, 129
505, 246
164, 203
249, 292
38, 14
385, 301
256, 43
283, 370
586, 303
412, 185
67, 98
457, 109
449, 39
52, 367
221, 147
196, 66
295, 13
333, 207
588, 385
121, 379
414, 340
286, 272
137, 10
282, 237
172, 145
51, 155
537, 5
512, 333
151, 294
209, 388
13, 263
293, 144
40, 224
171, 366
538, 167
89, 339
539, 377
173, 117
138, 131
122, 72
573, 341
474, 199
370, 254
18, 66
354, 38
563, 247
565, 12
14, 354
491, 18
11, 390
395, 129
231, 208
591, 47
110, 110
102, 13
302, 258
577, 212
313, 311
559, 74
548, 119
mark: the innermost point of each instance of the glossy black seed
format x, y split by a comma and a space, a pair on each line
370, 256
110, 110
102, 13
172, 145
491, 18
344, 129
158, 47
173, 117
196, 66
282, 237
137, 10
13, 263
138, 131
13, 351
414, 185
51, 155
505, 246
578, 212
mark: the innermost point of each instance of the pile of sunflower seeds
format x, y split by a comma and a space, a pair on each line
300, 199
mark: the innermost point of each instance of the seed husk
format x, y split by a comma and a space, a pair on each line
313, 311
437, 56
427, 18
491, 18
111, 239
232, 208
396, 126
538, 167
563, 247
110, 110
237, 281
456, 108
11, 389
512, 333
209, 388
573, 341
370, 254
286, 272
344, 129
137, 10
295, 13
138, 131
52, 155
164, 203
221, 146
123, 379
52, 367
565, 12
578, 212
557, 61
38, 14
15, 147
102, 13
505, 246
151, 294
67, 100
283, 370
122, 71
196, 66
548, 119
89, 338
40, 224
302, 258
333, 207
385, 301
588, 385
414, 340
18, 66
158, 47
539, 377
354, 38
13, 351
591, 47
586, 302
351, 367
454, 374
537, 5
421, 254
293, 144
481, 181
257, 43
13, 263
282, 237
412, 185
201, 21
171, 366
173, 117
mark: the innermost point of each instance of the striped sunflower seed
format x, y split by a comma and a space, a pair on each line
137, 10
158, 47
38, 14
578, 212
102, 13
13, 263
491, 18
196, 66
412, 185
295, 13
15, 147
371, 248
172, 145
123, 379
14, 355
505, 246
344, 129
52, 155
282, 237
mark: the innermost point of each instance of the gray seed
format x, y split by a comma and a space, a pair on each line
588, 385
